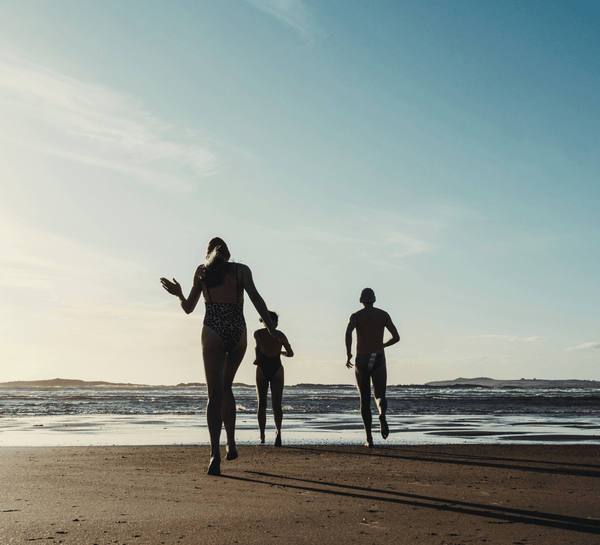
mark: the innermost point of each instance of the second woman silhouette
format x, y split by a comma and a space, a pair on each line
269, 371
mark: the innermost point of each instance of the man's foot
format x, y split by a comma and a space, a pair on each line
214, 467
262, 438
232, 453
278, 439
369, 443
385, 430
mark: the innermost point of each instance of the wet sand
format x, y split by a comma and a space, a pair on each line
299, 430
505, 494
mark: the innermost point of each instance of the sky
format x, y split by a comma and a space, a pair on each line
444, 154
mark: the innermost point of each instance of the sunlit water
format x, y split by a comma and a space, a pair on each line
312, 415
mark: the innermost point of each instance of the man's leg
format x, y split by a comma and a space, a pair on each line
363, 384
379, 377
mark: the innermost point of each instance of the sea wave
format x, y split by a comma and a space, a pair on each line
307, 399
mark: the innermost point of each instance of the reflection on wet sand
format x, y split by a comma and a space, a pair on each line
312, 429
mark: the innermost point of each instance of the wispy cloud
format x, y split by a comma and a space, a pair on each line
61, 116
511, 338
46, 278
67, 309
585, 347
292, 13
36, 261
383, 245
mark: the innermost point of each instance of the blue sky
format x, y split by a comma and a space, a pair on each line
443, 153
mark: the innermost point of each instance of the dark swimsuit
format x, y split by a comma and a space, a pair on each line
269, 365
226, 319
367, 363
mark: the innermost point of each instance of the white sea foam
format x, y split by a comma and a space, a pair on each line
313, 415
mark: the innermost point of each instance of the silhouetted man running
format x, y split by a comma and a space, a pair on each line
370, 324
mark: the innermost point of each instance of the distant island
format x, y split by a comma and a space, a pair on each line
74, 383
485, 382
479, 382
67, 383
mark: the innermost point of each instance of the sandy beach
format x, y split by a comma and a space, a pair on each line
505, 494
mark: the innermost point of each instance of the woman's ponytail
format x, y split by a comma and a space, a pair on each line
217, 256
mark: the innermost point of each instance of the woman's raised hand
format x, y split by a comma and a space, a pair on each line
174, 288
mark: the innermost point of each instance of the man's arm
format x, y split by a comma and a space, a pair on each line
392, 329
351, 327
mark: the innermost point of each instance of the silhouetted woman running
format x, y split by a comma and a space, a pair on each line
270, 371
223, 336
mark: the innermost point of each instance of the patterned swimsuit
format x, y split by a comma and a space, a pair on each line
226, 319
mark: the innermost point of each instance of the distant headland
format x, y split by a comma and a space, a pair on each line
67, 383
73, 383
479, 382
525, 383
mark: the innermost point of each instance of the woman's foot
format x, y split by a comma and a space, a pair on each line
232, 453
277, 439
214, 467
385, 430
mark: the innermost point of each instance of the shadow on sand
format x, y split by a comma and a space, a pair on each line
501, 514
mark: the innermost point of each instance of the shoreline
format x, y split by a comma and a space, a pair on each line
298, 430
304, 494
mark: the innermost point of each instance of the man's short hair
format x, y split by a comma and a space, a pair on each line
367, 296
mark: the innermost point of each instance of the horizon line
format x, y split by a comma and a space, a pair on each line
461, 381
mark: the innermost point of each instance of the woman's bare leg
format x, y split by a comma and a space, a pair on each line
213, 354
232, 363
262, 389
276, 397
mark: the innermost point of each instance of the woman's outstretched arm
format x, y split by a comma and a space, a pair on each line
174, 288
258, 301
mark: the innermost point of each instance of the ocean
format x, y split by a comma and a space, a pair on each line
313, 414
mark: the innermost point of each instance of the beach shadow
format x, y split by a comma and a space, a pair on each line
588, 467
502, 514
578, 470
